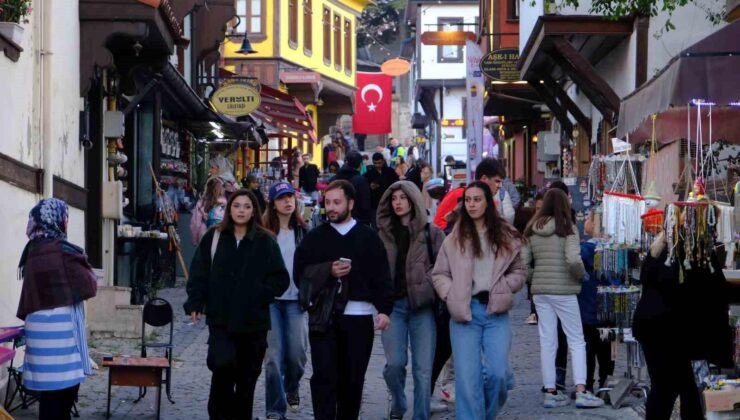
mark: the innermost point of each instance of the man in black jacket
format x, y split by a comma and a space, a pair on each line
351, 172
380, 177
308, 177
353, 257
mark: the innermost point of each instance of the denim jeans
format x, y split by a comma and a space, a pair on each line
419, 327
481, 355
287, 342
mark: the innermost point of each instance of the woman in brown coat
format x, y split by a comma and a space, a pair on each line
411, 245
477, 273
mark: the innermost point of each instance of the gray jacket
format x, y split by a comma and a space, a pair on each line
558, 268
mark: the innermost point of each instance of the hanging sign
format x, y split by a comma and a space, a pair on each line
446, 37
395, 67
236, 100
501, 65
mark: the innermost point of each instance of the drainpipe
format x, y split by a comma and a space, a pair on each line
45, 64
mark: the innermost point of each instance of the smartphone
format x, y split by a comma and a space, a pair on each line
345, 260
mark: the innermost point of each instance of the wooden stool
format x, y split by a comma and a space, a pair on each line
136, 371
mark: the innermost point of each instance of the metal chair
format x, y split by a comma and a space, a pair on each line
158, 313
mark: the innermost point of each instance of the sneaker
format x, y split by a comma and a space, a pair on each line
273, 417
588, 400
448, 395
558, 399
294, 402
532, 319
438, 406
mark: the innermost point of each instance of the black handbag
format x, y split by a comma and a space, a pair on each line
323, 306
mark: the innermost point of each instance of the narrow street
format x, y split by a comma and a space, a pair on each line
191, 380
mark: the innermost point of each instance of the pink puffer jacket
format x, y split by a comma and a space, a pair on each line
453, 278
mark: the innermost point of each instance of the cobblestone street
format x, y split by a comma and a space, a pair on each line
191, 380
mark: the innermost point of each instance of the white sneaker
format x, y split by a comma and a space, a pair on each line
556, 400
588, 400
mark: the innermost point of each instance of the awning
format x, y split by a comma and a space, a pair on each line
514, 102
283, 115
568, 47
707, 70
183, 104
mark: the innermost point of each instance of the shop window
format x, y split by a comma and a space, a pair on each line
348, 46
307, 26
326, 22
251, 19
450, 53
293, 23
337, 42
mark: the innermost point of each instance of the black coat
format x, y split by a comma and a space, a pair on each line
362, 210
384, 179
691, 316
236, 289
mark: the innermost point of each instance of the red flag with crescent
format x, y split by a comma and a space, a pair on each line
372, 104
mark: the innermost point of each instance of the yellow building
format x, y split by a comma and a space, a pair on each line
306, 48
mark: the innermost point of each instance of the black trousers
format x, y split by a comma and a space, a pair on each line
561, 357
671, 376
57, 405
596, 350
339, 358
236, 362
443, 348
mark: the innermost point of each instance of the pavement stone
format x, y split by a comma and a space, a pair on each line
191, 379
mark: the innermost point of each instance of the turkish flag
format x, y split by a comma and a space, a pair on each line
372, 104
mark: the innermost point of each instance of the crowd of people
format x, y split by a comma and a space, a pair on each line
434, 271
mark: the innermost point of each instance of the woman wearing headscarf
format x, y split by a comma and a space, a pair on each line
57, 279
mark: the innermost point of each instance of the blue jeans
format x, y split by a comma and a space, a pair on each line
481, 356
418, 326
285, 361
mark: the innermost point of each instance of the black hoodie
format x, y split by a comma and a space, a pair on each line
361, 211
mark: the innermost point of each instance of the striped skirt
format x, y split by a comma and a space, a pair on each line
56, 349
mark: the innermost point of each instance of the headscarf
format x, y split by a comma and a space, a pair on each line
47, 220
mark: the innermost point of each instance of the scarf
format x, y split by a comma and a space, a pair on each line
55, 273
47, 220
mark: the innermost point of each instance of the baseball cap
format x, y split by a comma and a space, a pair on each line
279, 189
435, 183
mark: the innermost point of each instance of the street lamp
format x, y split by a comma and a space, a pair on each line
246, 47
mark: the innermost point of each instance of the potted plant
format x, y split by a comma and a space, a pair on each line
12, 14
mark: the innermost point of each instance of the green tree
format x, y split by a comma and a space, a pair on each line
714, 9
379, 22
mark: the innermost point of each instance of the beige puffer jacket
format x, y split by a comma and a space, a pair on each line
418, 264
558, 268
453, 278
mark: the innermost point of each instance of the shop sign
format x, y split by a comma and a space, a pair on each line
501, 65
395, 67
236, 100
309, 77
446, 37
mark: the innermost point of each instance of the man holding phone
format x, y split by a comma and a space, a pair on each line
354, 256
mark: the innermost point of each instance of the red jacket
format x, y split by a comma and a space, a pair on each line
448, 204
